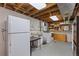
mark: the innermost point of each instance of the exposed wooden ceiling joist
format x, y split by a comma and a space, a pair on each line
10, 6
4, 5
51, 5
16, 8
47, 11
44, 19
29, 10
50, 14
1, 4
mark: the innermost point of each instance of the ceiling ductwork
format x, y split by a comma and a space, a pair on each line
66, 9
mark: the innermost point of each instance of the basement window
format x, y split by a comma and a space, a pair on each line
38, 6
54, 18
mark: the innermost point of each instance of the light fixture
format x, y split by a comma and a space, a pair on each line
38, 6
54, 18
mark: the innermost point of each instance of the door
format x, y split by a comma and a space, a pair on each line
19, 44
76, 37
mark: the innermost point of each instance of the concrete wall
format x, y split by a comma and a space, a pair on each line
35, 25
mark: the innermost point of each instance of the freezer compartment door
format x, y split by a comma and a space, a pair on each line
16, 24
19, 44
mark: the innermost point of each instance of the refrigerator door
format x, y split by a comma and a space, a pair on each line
19, 44
16, 24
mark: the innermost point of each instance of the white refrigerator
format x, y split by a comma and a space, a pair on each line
18, 36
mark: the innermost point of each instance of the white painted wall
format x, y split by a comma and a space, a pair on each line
47, 37
3, 16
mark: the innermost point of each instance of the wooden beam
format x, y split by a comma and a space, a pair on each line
48, 19
4, 5
45, 19
9, 6
42, 9
16, 8
52, 13
33, 13
57, 12
28, 10
47, 11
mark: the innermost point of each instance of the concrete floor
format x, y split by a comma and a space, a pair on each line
54, 49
